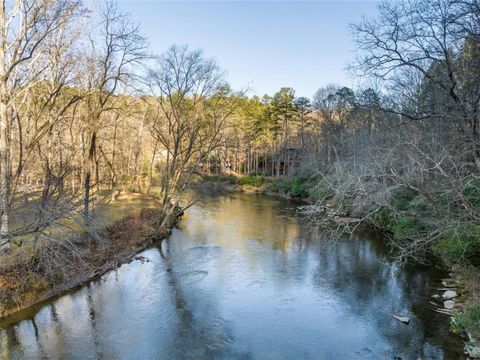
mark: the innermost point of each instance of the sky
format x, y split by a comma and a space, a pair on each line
262, 45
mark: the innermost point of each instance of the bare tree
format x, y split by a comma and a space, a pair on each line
117, 49
433, 42
24, 27
193, 104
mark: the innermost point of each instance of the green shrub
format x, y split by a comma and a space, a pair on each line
320, 190
384, 219
252, 181
419, 205
295, 187
408, 226
401, 198
472, 192
461, 243
468, 320
278, 186
220, 178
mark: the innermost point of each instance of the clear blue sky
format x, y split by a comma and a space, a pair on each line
262, 45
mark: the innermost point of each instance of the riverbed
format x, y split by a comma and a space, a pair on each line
243, 277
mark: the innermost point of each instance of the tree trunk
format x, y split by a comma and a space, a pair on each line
138, 149
112, 170
4, 148
302, 132
89, 164
152, 167
4, 176
272, 160
279, 163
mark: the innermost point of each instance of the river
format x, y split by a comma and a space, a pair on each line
243, 278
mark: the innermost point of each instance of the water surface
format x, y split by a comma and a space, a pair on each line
243, 278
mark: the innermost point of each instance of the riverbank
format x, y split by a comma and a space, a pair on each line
328, 207
286, 188
57, 267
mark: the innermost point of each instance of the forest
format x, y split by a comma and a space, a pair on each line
88, 114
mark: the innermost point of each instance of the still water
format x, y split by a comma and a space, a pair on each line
243, 278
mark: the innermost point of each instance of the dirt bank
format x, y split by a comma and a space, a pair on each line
26, 280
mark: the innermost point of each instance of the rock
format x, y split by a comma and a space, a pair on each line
450, 282
449, 304
472, 351
449, 294
435, 296
443, 311
142, 259
402, 319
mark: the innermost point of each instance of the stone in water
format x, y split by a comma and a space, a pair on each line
402, 319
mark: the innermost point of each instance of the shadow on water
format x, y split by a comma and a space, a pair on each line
243, 278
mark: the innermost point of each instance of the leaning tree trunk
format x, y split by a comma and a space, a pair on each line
89, 166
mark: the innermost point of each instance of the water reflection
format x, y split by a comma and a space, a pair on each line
243, 279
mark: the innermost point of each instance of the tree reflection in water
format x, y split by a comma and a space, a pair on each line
243, 278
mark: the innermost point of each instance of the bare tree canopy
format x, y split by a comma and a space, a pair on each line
191, 107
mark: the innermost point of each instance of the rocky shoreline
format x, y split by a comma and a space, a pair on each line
448, 301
